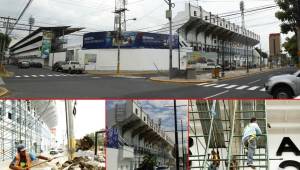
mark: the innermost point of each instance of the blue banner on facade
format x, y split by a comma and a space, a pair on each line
113, 138
129, 39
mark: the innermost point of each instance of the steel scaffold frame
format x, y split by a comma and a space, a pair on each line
19, 124
232, 118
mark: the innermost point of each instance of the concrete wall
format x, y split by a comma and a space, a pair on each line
61, 56
130, 59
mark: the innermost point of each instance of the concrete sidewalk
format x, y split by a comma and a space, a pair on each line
207, 77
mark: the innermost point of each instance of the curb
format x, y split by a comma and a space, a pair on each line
3, 91
180, 81
241, 76
207, 81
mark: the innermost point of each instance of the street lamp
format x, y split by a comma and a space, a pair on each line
119, 40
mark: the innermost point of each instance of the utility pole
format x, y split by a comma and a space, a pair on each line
169, 16
120, 10
31, 23
183, 158
70, 129
7, 27
242, 8
176, 137
260, 62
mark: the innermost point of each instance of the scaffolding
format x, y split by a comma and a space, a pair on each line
218, 126
19, 124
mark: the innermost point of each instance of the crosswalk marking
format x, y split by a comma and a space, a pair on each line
208, 85
263, 89
18, 76
26, 76
253, 88
233, 86
42, 75
230, 87
242, 87
33, 75
221, 85
201, 84
51, 75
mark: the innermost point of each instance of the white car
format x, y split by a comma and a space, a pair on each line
72, 67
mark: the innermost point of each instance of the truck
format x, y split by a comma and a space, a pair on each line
72, 67
284, 86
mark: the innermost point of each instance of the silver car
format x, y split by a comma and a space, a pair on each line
284, 86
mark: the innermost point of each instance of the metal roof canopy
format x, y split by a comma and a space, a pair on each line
59, 31
46, 111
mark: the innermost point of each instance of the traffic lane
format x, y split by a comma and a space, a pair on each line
234, 94
179, 92
256, 79
89, 87
31, 70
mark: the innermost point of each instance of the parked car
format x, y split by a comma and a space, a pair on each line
24, 64
72, 67
284, 86
36, 64
57, 66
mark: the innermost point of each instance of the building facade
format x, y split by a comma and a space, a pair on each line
214, 38
24, 122
133, 135
37, 46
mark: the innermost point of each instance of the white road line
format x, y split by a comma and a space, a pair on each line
33, 75
201, 84
253, 88
221, 85
18, 76
42, 75
242, 87
26, 76
263, 89
255, 81
96, 77
49, 75
217, 94
209, 85
230, 87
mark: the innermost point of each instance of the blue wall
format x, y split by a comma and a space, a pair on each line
130, 39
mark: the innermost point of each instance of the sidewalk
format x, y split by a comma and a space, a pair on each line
207, 77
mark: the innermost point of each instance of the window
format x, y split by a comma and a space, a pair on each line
136, 111
206, 18
195, 13
144, 118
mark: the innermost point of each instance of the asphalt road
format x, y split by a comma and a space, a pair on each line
43, 83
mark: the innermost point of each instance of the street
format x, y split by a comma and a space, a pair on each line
44, 83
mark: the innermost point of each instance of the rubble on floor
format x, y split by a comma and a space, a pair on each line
80, 163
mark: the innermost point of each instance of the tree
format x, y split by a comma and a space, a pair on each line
149, 161
291, 47
6, 39
289, 15
261, 53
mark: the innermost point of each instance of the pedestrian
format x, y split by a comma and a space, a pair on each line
251, 131
23, 159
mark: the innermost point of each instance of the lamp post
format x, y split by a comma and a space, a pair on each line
119, 41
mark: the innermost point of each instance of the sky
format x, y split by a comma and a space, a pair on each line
90, 117
164, 110
97, 15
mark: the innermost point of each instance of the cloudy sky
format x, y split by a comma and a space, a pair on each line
90, 117
98, 14
164, 110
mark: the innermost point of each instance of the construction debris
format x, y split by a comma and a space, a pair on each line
80, 163
86, 143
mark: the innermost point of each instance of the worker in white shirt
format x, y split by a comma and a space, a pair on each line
249, 139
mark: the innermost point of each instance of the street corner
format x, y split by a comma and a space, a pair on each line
179, 80
3, 91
